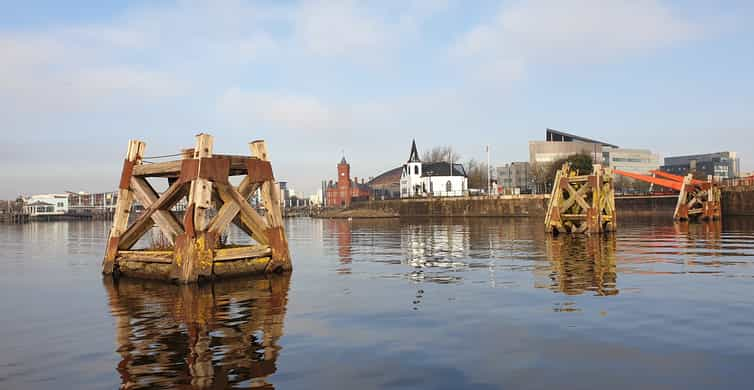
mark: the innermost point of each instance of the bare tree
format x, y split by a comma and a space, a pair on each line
477, 174
544, 174
440, 154
539, 173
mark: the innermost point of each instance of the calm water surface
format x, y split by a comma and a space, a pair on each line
462, 303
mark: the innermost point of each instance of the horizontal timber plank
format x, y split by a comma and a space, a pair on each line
173, 168
228, 254
248, 266
165, 257
146, 270
574, 216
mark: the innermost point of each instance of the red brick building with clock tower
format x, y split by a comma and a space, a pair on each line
344, 190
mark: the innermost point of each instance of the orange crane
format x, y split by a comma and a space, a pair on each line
677, 178
697, 199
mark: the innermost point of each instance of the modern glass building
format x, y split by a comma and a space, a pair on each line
631, 160
558, 145
721, 165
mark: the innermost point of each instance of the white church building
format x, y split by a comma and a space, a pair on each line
432, 179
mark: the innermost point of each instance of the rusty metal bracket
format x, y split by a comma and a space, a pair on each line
259, 171
126, 173
214, 169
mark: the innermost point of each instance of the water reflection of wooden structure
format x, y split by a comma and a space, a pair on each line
581, 203
582, 264
196, 250
215, 336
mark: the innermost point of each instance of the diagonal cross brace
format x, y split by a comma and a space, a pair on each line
228, 211
169, 198
575, 196
249, 216
165, 220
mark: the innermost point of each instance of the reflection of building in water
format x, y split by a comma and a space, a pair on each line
580, 264
211, 336
342, 230
435, 245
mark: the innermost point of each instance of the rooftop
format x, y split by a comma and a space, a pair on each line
414, 157
561, 136
442, 169
389, 177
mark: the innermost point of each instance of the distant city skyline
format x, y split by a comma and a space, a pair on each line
317, 79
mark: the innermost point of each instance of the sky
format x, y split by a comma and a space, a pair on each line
319, 79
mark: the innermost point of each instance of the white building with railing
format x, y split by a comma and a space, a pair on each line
46, 205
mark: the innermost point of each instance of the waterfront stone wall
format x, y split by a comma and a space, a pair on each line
646, 206
509, 206
506, 206
738, 201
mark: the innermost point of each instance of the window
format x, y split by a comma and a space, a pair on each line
448, 186
416, 169
431, 187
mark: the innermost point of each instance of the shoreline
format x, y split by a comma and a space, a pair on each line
355, 213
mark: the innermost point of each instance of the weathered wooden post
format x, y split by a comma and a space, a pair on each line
271, 200
197, 251
123, 206
193, 249
581, 204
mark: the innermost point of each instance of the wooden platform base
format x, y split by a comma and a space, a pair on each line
225, 262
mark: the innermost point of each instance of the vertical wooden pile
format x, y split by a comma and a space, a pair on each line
124, 204
197, 251
581, 204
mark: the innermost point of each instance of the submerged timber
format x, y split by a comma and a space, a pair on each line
195, 249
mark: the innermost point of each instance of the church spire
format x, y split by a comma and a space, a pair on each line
414, 157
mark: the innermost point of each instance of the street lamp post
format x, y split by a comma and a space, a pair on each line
489, 179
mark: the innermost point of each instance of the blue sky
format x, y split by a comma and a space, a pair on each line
314, 78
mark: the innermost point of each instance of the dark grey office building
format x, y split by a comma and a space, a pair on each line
723, 165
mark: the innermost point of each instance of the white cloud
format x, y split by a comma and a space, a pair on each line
339, 27
306, 114
576, 31
157, 52
309, 116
